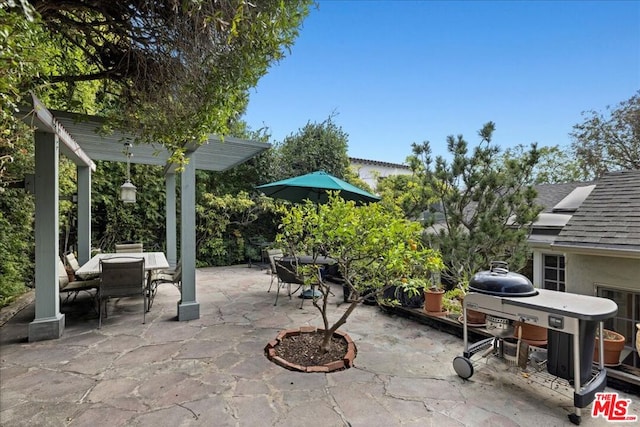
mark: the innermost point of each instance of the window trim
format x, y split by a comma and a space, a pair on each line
627, 290
557, 268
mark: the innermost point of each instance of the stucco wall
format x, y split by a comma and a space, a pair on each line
584, 271
370, 173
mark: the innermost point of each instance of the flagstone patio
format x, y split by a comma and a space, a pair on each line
213, 370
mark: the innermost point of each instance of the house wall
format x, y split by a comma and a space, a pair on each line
584, 271
369, 173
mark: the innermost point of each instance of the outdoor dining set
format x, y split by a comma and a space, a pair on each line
127, 272
130, 271
287, 271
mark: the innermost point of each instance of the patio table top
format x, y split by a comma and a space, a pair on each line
152, 261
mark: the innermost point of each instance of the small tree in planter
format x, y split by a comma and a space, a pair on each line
373, 245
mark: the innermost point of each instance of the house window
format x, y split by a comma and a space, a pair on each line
625, 320
553, 272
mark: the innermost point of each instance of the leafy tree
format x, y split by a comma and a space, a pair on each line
406, 192
555, 164
23, 47
374, 246
609, 141
16, 220
113, 221
316, 146
223, 226
19, 51
170, 71
174, 71
485, 206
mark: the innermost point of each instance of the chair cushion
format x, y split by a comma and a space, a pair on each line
82, 285
63, 278
72, 261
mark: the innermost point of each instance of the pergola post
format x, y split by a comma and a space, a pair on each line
48, 322
84, 214
170, 220
188, 307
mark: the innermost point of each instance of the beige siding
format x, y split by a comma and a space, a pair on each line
583, 272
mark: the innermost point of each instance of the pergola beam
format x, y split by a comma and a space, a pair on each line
43, 120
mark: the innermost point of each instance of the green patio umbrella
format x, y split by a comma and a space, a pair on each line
314, 186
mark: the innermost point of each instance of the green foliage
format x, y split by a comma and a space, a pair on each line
115, 222
485, 208
19, 49
16, 211
190, 81
609, 141
452, 300
16, 243
221, 225
555, 164
316, 146
373, 245
406, 192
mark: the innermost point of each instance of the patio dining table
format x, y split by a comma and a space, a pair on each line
309, 259
152, 261
319, 260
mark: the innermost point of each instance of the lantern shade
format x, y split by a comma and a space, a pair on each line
128, 192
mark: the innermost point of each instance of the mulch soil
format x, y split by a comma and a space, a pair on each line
304, 349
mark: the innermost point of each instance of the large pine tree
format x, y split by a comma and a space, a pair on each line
484, 207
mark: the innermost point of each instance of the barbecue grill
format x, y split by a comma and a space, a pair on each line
507, 297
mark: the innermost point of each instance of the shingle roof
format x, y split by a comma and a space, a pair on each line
378, 163
550, 195
609, 218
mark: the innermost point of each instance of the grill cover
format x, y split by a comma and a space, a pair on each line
499, 281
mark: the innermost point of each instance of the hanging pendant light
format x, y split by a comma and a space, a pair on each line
128, 190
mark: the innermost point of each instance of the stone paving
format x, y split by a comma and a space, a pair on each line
213, 372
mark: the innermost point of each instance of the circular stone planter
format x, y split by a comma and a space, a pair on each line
337, 365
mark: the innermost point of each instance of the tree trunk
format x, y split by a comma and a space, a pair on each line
328, 333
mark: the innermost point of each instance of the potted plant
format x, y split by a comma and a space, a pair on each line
403, 294
433, 299
613, 345
475, 318
452, 302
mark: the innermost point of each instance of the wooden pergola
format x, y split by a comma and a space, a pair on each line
78, 138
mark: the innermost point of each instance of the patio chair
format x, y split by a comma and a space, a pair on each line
287, 275
273, 254
72, 262
129, 248
73, 287
164, 276
121, 277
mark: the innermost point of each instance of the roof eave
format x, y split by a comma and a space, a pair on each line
585, 249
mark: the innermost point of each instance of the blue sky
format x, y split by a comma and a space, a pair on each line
397, 72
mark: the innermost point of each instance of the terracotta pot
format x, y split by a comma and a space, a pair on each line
613, 345
475, 317
433, 302
531, 334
